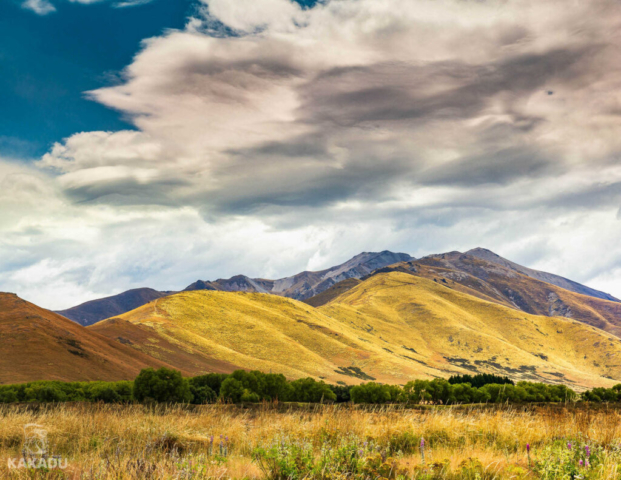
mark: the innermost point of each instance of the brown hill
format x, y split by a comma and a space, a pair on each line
36, 344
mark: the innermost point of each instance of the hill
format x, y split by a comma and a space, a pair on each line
392, 327
37, 344
493, 282
96, 310
442, 327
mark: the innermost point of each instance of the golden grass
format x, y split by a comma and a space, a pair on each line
135, 442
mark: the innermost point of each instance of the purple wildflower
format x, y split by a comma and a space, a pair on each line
587, 450
422, 442
528, 447
568, 445
580, 463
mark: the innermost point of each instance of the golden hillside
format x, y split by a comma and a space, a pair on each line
248, 330
493, 282
448, 328
392, 327
37, 344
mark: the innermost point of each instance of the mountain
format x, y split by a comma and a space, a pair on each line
36, 344
306, 284
501, 284
301, 286
391, 327
96, 310
570, 285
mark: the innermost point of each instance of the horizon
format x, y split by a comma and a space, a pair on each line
154, 142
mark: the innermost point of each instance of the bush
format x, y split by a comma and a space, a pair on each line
232, 390
375, 393
163, 385
310, 391
211, 380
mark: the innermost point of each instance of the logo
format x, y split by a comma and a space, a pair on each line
35, 451
35, 440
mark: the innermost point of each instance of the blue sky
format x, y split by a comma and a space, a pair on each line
47, 62
259, 137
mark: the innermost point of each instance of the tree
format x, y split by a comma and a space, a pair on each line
310, 391
211, 380
163, 385
232, 390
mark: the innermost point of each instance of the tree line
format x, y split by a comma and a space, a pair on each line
169, 386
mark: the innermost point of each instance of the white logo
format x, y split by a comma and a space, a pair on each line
35, 451
35, 440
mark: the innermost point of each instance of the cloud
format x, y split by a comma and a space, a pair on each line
131, 3
40, 7
43, 7
420, 126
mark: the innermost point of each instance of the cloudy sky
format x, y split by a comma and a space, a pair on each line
153, 143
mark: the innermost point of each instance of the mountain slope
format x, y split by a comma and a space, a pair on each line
392, 327
557, 280
306, 284
96, 310
494, 282
331, 293
36, 344
447, 329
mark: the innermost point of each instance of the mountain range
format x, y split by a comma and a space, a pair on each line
380, 316
300, 286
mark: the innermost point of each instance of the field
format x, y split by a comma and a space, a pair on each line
138, 442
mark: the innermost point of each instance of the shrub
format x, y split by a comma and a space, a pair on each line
163, 385
310, 391
232, 390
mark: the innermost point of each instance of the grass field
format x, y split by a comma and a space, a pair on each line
136, 442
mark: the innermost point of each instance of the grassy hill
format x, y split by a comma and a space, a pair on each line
392, 327
445, 328
37, 344
490, 281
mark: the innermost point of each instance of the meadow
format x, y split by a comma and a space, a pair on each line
100, 441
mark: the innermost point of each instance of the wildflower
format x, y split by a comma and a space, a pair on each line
528, 447
580, 462
587, 450
586, 463
568, 445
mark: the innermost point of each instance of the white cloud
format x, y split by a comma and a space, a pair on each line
40, 7
419, 126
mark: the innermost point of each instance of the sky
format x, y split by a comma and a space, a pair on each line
154, 143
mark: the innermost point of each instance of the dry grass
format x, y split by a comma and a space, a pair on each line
132, 442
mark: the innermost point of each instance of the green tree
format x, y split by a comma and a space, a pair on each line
232, 390
163, 385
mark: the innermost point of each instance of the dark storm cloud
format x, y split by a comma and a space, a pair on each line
501, 167
407, 93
